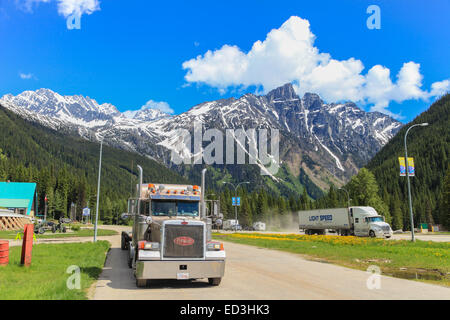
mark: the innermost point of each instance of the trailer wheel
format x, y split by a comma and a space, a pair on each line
214, 281
141, 283
371, 234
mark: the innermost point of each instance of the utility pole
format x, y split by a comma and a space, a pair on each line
45, 208
348, 196
235, 196
407, 177
98, 190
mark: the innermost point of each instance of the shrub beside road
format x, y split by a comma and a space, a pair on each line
424, 260
46, 278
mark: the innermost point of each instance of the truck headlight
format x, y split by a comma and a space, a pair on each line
144, 245
214, 246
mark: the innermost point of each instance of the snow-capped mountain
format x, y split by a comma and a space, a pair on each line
75, 109
146, 114
329, 142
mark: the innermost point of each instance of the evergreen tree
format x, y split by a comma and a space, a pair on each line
3, 174
363, 189
397, 216
444, 217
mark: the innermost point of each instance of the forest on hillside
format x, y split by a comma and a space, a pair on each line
430, 148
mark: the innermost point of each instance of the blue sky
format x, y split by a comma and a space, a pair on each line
129, 52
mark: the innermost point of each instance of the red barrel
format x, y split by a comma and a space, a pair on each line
4, 252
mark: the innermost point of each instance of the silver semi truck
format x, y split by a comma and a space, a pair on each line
357, 221
171, 235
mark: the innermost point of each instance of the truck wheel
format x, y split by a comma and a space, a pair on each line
371, 234
214, 281
141, 283
122, 243
130, 262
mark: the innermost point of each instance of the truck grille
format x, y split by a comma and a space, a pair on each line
385, 228
183, 241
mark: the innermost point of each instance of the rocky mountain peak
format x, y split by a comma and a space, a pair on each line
312, 101
283, 93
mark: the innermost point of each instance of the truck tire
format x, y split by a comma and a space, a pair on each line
371, 234
122, 243
214, 281
141, 283
130, 262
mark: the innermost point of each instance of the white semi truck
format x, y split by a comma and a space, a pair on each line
357, 221
171, 235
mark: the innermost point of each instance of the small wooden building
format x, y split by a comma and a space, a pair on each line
18, 204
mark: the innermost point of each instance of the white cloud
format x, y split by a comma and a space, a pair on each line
439, 88
161, 106
68, 7
25, 76
65, 7
288, 54
154, 105
27, 5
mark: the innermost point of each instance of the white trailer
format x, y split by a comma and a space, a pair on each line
358, 221
259, 226
231, 224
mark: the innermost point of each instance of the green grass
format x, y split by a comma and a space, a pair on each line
46, 278
430, 261
49, 235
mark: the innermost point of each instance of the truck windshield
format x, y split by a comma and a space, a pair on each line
376, 219
187, 208
174, 208
164, 208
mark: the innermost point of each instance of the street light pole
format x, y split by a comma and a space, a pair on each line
348, 196
98, 190
235, 196
407, 177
